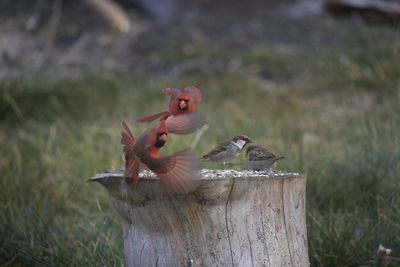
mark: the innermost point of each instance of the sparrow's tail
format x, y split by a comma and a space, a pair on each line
164, 114
205, 158
184, 124
278, 158
179, 171
132, 166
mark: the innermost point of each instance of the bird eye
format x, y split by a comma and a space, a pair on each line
183, 104
161, 139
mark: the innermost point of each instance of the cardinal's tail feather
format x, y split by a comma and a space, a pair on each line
132, 166
131, 174
127, 138
184, 124
179, 171
164, 114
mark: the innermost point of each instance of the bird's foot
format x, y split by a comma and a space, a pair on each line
231, 164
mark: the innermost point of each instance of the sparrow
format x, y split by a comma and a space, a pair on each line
227, 150
181, 102
260, 158
180, 171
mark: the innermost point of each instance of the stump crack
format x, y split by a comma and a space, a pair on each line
141, 251
251, 249
284, 223
226, 220
264, 235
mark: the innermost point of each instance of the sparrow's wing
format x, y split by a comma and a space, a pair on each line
132, 166
164, 114
184, 124
179, 171
216, 150
263, 154
172, 92
194, 92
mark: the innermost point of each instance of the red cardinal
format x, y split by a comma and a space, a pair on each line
179, 103
179, 171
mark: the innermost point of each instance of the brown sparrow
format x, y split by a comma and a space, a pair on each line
260, 158
227, 150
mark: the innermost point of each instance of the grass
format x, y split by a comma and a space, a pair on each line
332, 113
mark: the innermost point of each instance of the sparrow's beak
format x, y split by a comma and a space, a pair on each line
182, 104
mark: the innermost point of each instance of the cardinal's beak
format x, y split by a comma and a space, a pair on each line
182, 104
163, 137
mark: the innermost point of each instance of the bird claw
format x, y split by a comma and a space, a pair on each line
231, 164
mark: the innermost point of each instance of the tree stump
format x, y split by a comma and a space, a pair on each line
235, 218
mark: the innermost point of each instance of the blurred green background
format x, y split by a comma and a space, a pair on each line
332, 108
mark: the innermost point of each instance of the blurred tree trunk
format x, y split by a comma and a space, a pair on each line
52, 34
113, 13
